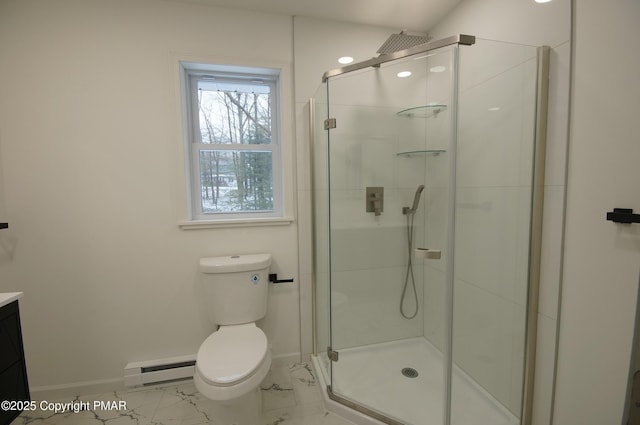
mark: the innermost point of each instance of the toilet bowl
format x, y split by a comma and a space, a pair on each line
232, 362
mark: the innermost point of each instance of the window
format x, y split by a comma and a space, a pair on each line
233, 147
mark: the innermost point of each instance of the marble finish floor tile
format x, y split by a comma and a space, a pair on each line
290, 396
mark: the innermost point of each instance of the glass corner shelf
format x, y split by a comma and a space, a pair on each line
425, 111
433, 152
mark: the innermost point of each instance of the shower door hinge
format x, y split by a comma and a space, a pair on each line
333, 355
329, 123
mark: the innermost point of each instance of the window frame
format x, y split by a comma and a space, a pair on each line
191, 73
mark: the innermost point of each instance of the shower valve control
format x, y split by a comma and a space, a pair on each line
375, 199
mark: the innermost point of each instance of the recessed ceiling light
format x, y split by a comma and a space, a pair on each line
345, 60
542, 1
438, 68
404, 74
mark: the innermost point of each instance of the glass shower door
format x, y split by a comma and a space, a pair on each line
389, 158
493, 231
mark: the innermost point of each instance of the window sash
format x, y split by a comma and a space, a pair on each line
196, 146
276, 182
195, 134
219, 182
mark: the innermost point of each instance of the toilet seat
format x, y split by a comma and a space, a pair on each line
232, 361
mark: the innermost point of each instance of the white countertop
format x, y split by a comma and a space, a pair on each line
9, 297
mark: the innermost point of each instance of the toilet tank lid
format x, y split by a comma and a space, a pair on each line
234, 263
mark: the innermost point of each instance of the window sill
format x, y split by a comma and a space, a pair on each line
241, 222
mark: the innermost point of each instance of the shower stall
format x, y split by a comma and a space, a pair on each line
428, 167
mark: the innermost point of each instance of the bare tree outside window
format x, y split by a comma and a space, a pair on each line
236, 163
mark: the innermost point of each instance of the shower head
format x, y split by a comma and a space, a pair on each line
416, 201
401, 41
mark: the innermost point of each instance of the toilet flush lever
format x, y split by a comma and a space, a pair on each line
273, 278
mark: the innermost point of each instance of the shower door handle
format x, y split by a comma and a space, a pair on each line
426, 253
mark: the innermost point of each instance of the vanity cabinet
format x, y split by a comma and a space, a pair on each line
13, 372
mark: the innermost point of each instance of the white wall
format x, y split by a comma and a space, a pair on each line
601, 262
94, 187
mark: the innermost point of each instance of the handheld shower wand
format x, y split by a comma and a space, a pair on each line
410, 213
416, 198
416, 201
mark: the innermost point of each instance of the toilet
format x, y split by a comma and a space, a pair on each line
232, 362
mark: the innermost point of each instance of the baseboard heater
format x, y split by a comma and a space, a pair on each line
157, 371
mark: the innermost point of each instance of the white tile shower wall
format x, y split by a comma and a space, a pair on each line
94, 186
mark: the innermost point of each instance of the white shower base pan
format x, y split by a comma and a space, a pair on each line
371, 376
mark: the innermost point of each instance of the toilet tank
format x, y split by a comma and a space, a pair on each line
235, 287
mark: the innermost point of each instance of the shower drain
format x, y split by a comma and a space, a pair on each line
410, 372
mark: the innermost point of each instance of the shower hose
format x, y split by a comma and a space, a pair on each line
409, 275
